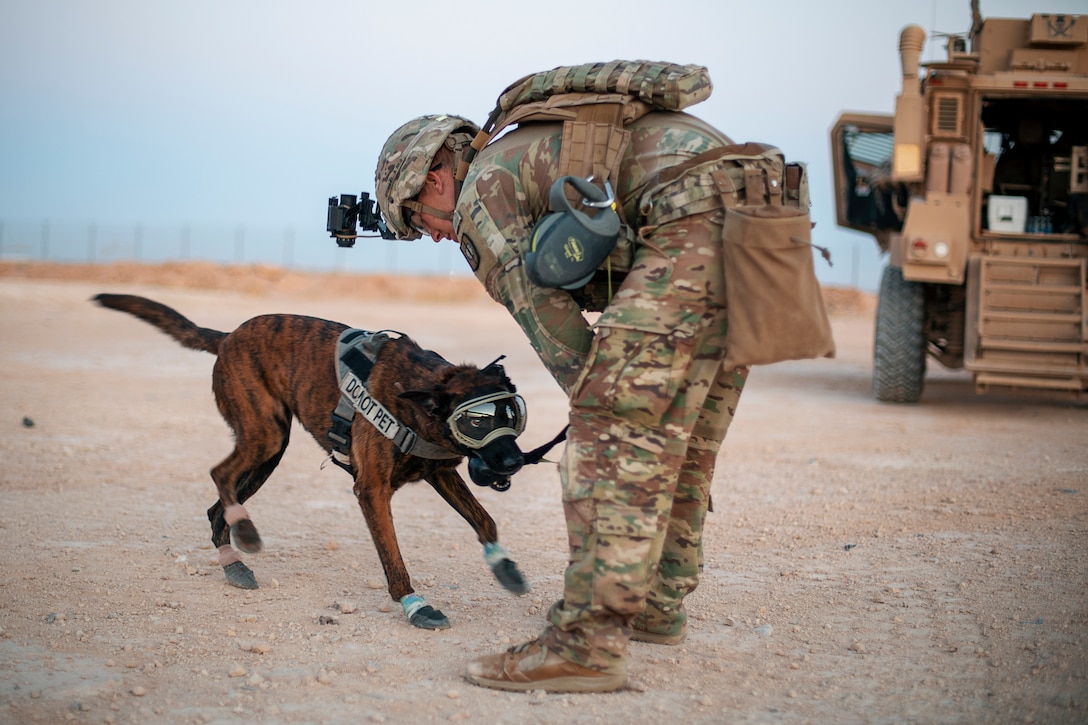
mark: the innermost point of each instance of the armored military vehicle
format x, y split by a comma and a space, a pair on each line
977, 190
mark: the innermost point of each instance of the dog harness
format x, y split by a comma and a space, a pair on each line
356, 352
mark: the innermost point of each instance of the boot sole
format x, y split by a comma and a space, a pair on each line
604, 683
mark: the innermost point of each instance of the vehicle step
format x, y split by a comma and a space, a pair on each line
1022, 381
997, 343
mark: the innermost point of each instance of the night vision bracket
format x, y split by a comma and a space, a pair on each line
348, 214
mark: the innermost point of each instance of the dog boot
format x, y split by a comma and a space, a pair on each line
422, 615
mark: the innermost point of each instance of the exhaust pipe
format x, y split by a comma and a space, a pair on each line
909, 110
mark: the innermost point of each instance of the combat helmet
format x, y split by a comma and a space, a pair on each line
406, 158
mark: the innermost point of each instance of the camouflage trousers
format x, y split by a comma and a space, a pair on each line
648, 416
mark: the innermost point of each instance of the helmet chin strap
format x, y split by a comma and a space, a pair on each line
417, 207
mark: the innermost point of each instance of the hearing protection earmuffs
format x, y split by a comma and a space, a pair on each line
568, 245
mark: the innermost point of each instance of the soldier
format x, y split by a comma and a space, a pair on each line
650, 396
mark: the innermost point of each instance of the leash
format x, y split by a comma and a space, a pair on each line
537, 454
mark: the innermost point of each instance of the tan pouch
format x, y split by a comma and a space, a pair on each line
776, 309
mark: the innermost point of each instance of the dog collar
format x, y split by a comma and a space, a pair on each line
356, 352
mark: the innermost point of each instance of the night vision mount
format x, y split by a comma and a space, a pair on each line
349, 213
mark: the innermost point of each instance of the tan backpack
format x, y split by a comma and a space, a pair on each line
776, 309
594, 102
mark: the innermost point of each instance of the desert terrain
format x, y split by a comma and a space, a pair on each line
864, 562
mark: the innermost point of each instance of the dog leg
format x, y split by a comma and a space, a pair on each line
256, 454
232, 523
375, 497
451, 487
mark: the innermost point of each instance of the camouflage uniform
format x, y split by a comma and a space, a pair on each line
650, 398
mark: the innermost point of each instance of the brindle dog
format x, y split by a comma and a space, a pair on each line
273, 367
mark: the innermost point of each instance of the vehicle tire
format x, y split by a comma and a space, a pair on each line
899, 346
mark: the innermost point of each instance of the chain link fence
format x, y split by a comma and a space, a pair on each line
149, 243
856, 258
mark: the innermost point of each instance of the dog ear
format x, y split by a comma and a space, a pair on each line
433, 400
494, 369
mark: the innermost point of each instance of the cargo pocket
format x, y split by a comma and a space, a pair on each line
621, 572
633, 375
776, 310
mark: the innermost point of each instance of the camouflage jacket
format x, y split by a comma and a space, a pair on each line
506, 193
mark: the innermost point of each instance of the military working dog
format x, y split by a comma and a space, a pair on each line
275, 367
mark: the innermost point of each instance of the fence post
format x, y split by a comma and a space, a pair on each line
391, 257
288, 247
92, 242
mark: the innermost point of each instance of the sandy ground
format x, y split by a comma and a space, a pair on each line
865, 563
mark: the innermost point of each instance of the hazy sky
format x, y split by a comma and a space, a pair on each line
236, 112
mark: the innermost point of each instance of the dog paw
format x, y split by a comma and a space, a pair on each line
240, 575
506, 571
427, 617
245, 536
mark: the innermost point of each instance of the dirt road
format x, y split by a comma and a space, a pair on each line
865, 563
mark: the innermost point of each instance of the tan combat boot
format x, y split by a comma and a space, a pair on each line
532, 666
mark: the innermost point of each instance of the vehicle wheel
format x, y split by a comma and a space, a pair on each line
899, 347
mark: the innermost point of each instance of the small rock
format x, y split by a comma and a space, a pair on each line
238, 671
375, 584
346, 607
764, 630
28, 422
138, 691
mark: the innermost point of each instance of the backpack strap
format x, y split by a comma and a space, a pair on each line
594, 142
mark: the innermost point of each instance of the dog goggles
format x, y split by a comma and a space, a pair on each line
477, 422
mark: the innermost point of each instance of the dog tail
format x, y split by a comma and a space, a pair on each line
166, 319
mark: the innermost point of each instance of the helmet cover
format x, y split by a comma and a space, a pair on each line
406, 158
